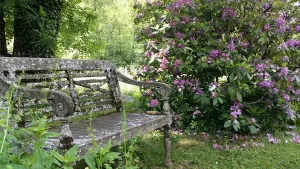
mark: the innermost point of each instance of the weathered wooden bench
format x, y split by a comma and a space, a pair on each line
71, 89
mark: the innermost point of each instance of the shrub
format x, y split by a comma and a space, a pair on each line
231, 63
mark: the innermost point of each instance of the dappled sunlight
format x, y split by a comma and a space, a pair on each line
187, 142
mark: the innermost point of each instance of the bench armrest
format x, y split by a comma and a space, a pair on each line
162, 88
63, 104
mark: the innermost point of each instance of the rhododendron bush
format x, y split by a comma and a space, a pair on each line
232, 64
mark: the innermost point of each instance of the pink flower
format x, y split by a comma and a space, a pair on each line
216, 146
197, 112
146, 68
153, 103
147, 54
177, 63
267, 27
163, 63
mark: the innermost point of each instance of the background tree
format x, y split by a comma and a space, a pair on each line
3, 48
36, 27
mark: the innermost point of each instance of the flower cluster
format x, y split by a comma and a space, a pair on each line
236, 110
272, 139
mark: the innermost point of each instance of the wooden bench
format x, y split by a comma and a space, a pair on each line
71, 89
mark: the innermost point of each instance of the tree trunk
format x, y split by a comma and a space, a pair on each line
3, 47
36, 27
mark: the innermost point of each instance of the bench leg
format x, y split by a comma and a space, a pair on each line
66, 140
167, 146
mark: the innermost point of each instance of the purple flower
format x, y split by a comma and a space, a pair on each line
283, 46
214, 54
179, 35
213, 95
297, 92
228, 14
177, 63
289, 112
244, 44
286, 97
236, 109
181, 46
153, 103
231, 46
293, 43
275, 90
297, 28
139, 15
285, 58
280, 21
260, 67
267, 27
199, 92
266, 84
290, 88
283, 72
266, 6
272, 139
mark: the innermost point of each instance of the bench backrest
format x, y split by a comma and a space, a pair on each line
91, 85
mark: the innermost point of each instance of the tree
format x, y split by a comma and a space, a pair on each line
3, 48
36, 26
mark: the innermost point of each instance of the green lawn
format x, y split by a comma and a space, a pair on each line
192, 152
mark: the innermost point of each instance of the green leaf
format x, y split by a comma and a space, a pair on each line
220, 100
215, 102
89, 159
42, 11
58, 156
236, 126
106, 149
71, 154
239, 96
227, 124
253, 129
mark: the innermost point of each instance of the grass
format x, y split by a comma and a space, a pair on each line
190, 152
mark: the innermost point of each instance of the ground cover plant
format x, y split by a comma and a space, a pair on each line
232, 64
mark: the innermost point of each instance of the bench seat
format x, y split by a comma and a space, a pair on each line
110, 127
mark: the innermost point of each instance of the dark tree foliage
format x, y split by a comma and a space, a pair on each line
3, 48
36, 27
